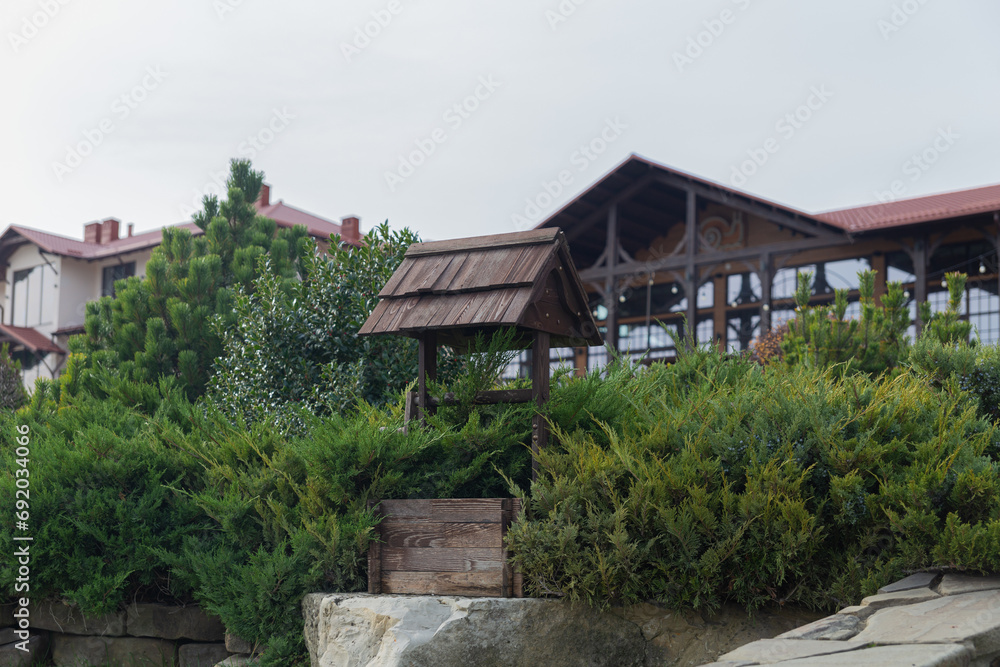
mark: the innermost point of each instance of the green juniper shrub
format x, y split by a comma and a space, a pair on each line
715, 480
12, 393
291, 505
99, 504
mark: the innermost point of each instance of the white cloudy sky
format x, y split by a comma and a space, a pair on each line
896, 74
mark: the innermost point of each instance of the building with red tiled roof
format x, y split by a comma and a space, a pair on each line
659, 245
48, 278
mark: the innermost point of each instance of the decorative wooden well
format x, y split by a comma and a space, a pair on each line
445, 293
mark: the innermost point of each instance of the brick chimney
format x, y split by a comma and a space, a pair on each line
350, 230
92, 232
264, 198
109, 231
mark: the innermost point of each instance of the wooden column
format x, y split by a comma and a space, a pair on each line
690, 275
427, 370
919, 257
610, 280
719, 312
766, 276
881, 267
580, 359
540, 394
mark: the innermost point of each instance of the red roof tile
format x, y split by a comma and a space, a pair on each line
32, 339
917, 209
283, 214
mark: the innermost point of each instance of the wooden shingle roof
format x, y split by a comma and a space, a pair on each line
464, 286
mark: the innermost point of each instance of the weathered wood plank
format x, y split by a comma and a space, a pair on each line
491, 397
492, 241
441, 583
423, 534
443, 510
467, 559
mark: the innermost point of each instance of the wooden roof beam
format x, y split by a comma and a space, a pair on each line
736, 201
600, 214
716, 257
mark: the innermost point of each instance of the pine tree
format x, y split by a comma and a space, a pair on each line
167, 324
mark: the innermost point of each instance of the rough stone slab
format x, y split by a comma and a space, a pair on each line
767, 651
201, 655
241, 660
74, 651
944, 655
235, 644
858, 611
837, 628
730, 664
972, 619
6, 615
166, 622
7, 636
428, 631
957, 584
61, 618
12, 656
141, 652
917, 580
885, 600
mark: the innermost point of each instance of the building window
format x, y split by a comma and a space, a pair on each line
33, 296
113, 274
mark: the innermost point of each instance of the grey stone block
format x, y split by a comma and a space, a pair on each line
201, 655
837, 627
944, 655
432, 631
957, 584
914, 596
165, 622
64, 619
141, 652
6, 615
236, 644
12, 656
767, 651
972, 619
917, 580
239, 660
74, 651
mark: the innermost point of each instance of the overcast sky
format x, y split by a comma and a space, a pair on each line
451, 117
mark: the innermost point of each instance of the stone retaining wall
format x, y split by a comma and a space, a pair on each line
144, 634
925, 620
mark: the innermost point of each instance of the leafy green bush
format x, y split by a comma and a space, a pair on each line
297, 344
715, 480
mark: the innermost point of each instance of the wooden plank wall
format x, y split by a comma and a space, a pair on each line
444, 547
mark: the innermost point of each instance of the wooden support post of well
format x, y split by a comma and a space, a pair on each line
375, 557
540, 390
427, 370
